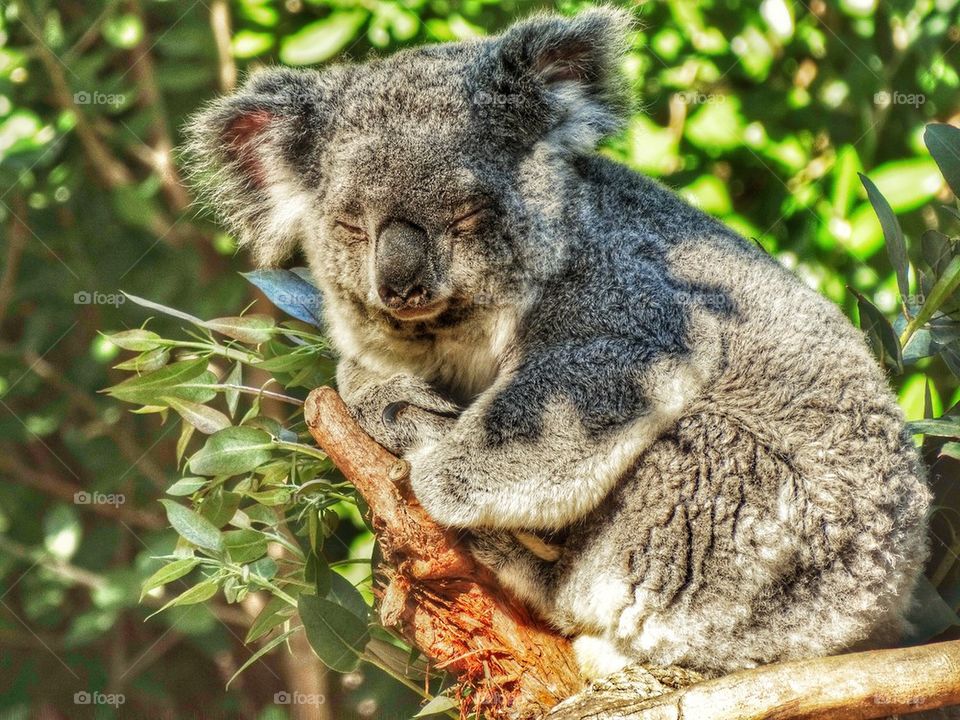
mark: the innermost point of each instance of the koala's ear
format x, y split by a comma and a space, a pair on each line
253, 157
562, 75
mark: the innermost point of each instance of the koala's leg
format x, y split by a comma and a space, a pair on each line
519, 570
398, 411
537, 451
597, 657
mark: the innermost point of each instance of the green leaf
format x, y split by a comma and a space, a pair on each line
939, 427
937, 250
146, 362
942, 290
344, 594
201, 592
186, 486
943, 142
254, 329
138, 340
951, 449
896, 245
231, 395
882, 336
220, 506
336, 635
205, 419
244, 546
439, 704
193, 527
168, 573
274, 612
322, 39
186, 433
147, 389
232, 451
278, 640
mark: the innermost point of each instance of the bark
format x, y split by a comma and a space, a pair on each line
511, 665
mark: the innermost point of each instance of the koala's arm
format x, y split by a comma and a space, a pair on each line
397, 410
547, 442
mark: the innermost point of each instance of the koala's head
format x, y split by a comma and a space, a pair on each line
422, 185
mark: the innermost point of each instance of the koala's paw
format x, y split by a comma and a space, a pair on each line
597, 657
495, 549
404, 413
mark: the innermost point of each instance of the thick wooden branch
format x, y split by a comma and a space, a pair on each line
857, 686
435, 594
453, 610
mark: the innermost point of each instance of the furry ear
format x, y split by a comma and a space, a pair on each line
559, 76
254, 156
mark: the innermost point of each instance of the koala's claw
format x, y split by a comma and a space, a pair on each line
391, 411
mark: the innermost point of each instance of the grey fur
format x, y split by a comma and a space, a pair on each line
709, 442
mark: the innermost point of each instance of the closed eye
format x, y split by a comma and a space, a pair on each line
469, 220
355, 230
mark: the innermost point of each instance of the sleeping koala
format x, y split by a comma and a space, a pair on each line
660, 439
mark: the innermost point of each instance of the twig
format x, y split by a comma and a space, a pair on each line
18, 239
220, 24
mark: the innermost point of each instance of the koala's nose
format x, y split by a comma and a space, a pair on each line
402, 265
394, 297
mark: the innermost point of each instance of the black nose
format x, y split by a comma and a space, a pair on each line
394, 296
403, 275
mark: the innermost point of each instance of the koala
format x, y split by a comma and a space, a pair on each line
654, 434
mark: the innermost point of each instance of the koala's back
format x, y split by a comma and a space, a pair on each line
783, 515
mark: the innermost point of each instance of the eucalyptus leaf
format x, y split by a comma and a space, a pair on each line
882, 337
943, 142
893, 235
193, 527
203, 417
290, 292
232, 451
336, 635
244, 546
168, 573
275, 612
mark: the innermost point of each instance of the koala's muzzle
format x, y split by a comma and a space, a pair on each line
404, 276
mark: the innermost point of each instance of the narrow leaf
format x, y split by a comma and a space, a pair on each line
336, 635
168, 573
893, 235
232, 451
291, 293
204, 418
943, 142
193, 527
